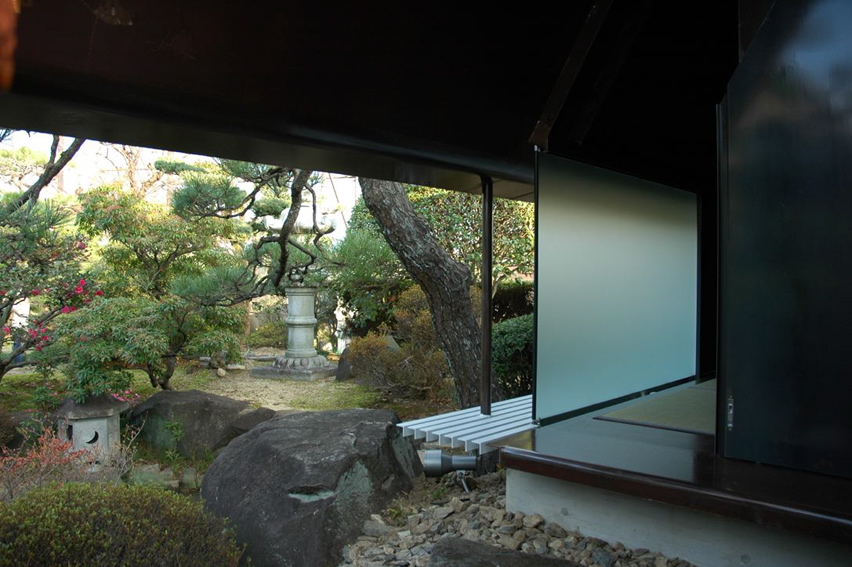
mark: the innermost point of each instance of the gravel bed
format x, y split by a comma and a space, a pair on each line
403, 535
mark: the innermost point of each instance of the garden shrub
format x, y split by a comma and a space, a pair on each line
45, 459
512, 355
272, 335
417, 367
48, 460
370, 357
414, 320
402, 370
106, 525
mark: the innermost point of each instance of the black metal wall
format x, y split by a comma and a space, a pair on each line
785, 327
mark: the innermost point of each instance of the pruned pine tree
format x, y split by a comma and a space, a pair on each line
176, 276
274, 255
40, 255
151, 267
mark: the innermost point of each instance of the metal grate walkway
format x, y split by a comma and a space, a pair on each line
470, 429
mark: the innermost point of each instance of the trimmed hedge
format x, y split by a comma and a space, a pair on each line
91, 525
512, 299
512, 355
416, 367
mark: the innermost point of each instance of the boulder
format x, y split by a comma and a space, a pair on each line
391, 342
344, 366
12, 425
247, 421
193, 422
456, 552
299, 486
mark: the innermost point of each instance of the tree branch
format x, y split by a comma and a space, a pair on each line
51, 170
300, 181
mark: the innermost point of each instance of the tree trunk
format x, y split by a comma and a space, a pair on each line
161, 379
445, 282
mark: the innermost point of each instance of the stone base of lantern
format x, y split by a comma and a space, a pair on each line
297, 368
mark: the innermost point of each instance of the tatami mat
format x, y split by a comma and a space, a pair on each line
691, 409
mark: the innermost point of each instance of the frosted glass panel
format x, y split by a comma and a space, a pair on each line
617, 285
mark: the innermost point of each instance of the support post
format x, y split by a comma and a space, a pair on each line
487, 252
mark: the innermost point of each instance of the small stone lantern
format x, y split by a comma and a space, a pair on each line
92, 426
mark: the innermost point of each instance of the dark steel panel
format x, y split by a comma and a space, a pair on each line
751, 13
786, 232
411, 92
227, 141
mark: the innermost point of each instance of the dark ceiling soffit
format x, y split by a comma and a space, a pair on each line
606, 77
565, 82
310, 150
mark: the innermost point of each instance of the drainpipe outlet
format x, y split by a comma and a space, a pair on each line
437, 463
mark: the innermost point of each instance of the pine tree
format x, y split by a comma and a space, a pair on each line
177, 277
40, 258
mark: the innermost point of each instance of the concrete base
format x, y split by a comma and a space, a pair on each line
701, 538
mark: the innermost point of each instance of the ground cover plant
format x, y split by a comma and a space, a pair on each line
45, 459
35, 392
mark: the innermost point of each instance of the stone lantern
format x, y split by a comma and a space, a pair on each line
92, 426
300, 361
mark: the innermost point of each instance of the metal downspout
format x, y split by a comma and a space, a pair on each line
487, 251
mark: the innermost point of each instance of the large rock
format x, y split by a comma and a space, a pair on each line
194, 423
299, 486
344, 366
454, 552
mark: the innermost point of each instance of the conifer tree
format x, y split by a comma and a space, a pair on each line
276, 255
151, 268
176, 276
40, 255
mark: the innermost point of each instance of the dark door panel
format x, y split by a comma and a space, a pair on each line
785, 327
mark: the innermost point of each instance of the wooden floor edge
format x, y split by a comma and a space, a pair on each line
727, 504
